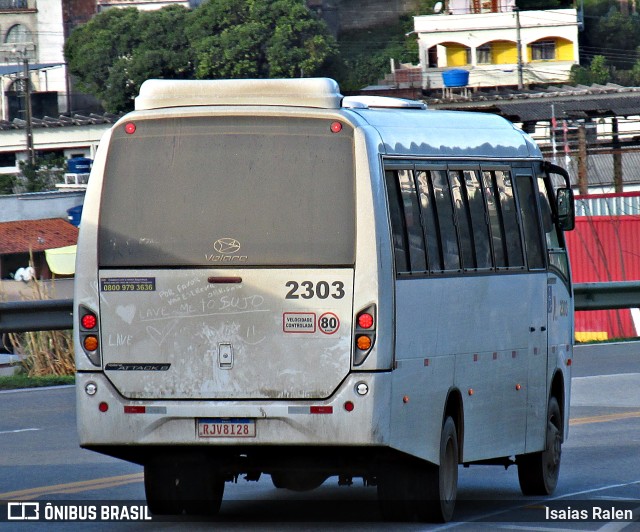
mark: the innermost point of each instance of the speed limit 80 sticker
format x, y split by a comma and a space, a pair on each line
328, 323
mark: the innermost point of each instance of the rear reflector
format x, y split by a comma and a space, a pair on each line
130, 409
134, 409
224, 280
321, 410
310, 410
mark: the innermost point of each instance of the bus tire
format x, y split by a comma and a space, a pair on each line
174, 489
419, 491
442, 481
538, 472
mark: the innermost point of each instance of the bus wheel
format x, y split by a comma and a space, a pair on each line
538, 472
442, 482
417, 491
176, 489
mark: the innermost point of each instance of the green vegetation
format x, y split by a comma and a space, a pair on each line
24, 381
42, 353
43, 175
366, 54
113, 53
7, 183
609, 45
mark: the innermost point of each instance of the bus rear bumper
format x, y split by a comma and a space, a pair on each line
348, 418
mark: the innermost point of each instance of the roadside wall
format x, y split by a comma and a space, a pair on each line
38, 205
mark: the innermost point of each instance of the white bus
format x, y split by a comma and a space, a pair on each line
276, 279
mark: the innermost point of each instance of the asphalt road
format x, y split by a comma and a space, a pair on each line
40, 461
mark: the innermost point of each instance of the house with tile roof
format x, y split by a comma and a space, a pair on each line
496, 46
24, 242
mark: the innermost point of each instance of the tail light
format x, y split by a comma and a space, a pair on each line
364, 334
89, 334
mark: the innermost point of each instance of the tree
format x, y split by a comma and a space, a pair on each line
113, 53
259, 39
598, 72
41, 176
367, 53
7, 183
610, 33
117, 50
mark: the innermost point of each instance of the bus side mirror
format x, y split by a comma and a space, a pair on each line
565, 209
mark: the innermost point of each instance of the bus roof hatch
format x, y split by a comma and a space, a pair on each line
321, 93
381, 102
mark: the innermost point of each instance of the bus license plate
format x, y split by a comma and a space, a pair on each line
226, 428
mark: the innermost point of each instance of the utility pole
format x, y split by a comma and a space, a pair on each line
618, 182
554, 125
27, 108
583, 183
519, 46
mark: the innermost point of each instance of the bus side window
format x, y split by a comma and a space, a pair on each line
446, 224
398, 232
492, 195
462, 202
530, 222
478, 215
430, 220
412, 221
462, 219
507, 202
507, 243
557, 255
551, 233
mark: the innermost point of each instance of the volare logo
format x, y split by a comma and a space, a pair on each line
226, 246
227, 249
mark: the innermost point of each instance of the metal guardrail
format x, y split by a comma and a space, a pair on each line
604, 296
37, 315
57, 314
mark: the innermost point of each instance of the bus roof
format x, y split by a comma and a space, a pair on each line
434, 133
405, 126
322, 93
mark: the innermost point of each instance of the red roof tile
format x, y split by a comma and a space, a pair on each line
36, 235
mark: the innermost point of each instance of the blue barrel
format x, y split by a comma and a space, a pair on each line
74, 214
79, 165
455, 78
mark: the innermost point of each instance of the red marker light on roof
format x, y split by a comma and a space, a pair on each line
336, 127
129, 128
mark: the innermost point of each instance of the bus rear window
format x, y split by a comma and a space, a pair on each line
241, 191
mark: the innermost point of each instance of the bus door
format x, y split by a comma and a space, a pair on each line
536, 386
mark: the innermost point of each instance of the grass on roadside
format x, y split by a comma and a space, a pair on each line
23, 381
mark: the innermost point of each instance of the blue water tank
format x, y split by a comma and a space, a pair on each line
79, 165
74, 215
455, 78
